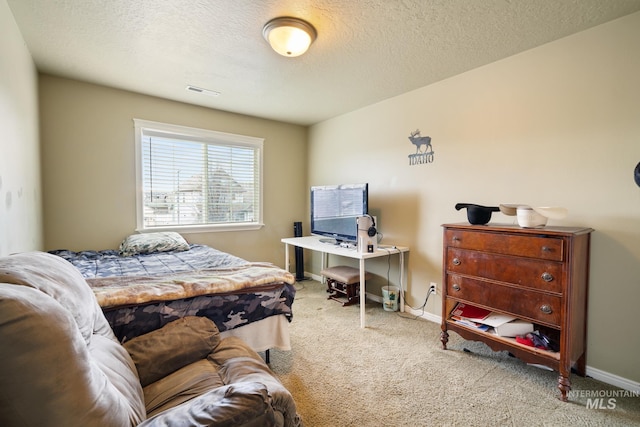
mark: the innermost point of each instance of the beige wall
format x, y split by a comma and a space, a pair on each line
554, 126
20, 187
89, 167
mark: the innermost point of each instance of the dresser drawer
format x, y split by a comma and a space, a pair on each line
536, 306
549, 248
527, 272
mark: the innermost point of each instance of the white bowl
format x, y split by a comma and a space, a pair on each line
528, 218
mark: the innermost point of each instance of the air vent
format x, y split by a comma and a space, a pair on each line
202, 91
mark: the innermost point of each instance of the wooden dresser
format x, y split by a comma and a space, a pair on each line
538, 275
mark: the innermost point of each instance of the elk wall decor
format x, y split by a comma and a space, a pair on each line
421, 157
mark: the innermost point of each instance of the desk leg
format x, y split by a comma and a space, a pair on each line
401, 281
363, 291
286, 257
325, 264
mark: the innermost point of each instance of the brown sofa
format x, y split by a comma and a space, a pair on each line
61, 365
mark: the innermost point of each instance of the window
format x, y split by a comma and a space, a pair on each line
197, 179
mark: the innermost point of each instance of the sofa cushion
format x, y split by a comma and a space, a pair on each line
175, 345
239, 363
230, 348
48, 374
186, 383
245, 404
248, 369
59, 279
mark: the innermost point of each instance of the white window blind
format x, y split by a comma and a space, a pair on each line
197, 179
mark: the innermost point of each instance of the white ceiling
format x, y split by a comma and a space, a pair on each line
366, 50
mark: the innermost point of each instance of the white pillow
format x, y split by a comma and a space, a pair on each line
147, 243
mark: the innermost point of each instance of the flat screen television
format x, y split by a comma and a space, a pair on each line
334, 209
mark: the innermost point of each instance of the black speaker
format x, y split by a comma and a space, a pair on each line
297, 232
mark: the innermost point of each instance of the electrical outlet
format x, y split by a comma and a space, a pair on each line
434, 288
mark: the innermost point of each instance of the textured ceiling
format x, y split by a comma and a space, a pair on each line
366, 50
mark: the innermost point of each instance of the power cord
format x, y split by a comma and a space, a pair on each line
429, 292
388, 267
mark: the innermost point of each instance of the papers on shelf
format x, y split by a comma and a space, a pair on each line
471, 324
501, 324
497, 319
469, 312
514, 328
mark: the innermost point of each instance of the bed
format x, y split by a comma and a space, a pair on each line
155, 278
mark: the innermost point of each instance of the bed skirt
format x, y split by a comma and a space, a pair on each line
265, 334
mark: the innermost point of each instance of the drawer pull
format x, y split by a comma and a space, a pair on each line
546, 249
547, 277
546, 309
456, 261
456, 239
456, 287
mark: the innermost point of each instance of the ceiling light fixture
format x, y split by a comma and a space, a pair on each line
289, 36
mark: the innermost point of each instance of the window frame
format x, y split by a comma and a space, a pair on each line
143, 127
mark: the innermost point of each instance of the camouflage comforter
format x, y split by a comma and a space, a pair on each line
136, 290
109, 263
141, 293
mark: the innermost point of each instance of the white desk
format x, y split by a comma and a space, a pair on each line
313, 243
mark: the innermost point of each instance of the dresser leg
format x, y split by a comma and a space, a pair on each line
564, 384
444, 337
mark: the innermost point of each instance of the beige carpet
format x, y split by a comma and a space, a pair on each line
395, 373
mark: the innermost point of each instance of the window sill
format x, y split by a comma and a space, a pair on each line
205, 228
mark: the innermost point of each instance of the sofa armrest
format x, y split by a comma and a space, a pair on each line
245, 404
249, 369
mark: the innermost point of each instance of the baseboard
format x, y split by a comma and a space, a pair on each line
423, 314
614, 380
596, 374
315, 277
373, 297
